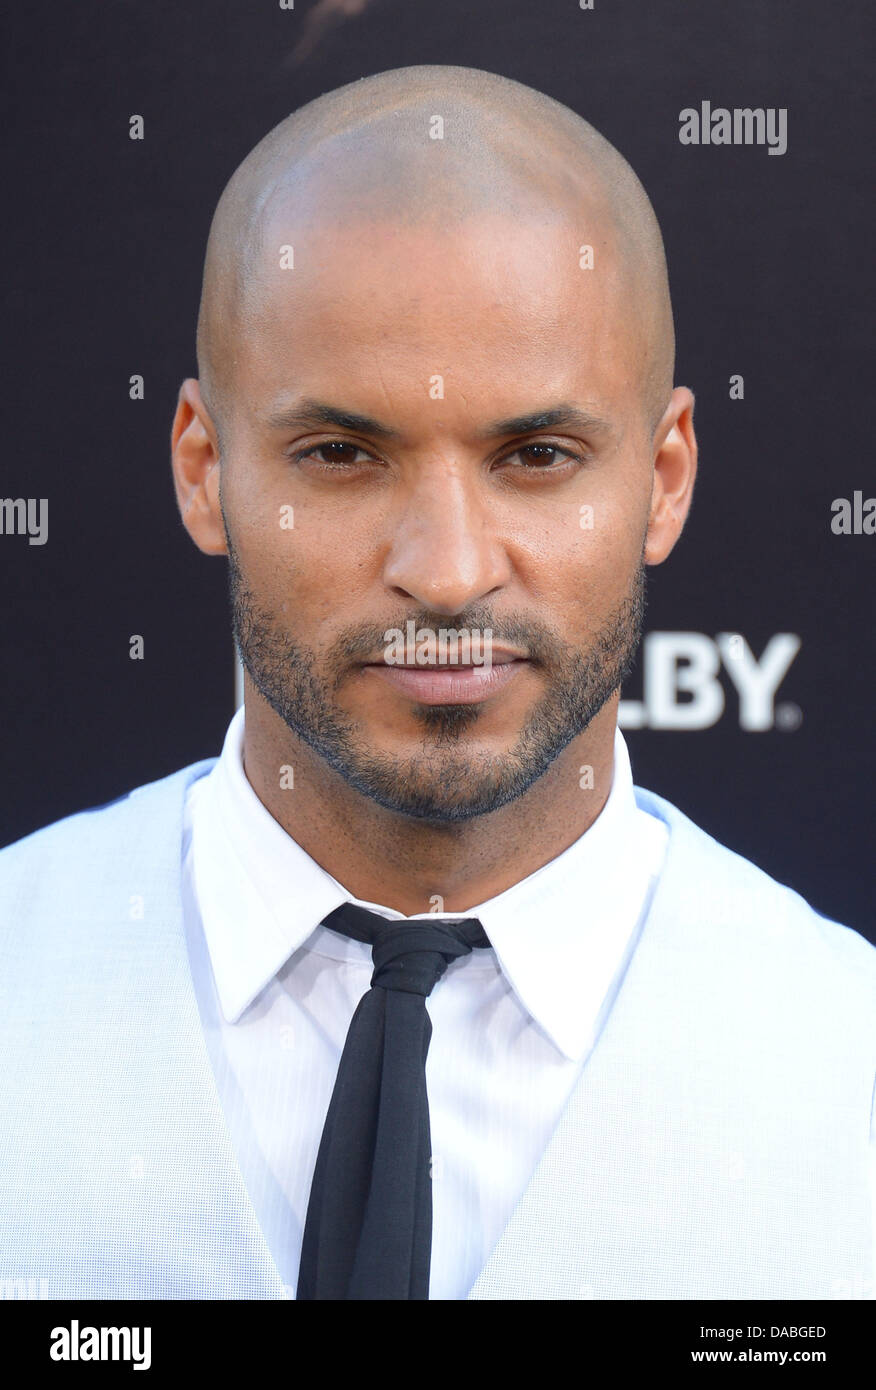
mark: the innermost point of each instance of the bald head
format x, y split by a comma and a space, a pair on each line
366, 155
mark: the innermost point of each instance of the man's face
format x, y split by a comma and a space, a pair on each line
458, 519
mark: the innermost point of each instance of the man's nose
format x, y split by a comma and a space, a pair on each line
445, 551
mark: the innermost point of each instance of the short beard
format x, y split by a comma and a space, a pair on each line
445, 782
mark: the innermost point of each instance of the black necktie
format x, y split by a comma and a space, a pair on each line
368, 1233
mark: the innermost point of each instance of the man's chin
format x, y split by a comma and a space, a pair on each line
447, 747
416, 729
438, 786
430, 805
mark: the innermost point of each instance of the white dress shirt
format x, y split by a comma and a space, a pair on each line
512, 1026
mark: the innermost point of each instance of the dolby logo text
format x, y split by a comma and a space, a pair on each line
682, 689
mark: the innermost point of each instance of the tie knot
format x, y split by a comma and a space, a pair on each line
410, 955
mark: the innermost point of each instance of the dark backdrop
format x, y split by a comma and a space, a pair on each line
771, 264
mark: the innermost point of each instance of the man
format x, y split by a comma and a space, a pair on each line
436, 435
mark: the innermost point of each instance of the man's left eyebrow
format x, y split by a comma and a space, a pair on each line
556, 417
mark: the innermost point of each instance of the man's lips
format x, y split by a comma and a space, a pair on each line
499, 656
438, 684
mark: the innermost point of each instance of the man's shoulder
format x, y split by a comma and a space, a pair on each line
82, 849
719, 894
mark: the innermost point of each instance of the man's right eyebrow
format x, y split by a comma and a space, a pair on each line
308, 413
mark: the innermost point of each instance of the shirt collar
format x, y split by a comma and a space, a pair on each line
559, 936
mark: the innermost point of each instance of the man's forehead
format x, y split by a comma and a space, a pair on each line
487, 306
542, 272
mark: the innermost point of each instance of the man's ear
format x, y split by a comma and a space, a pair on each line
675, 468
194, 447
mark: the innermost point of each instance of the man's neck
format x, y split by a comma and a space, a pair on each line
412, 866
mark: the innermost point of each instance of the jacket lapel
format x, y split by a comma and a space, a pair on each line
545, 1251
245, 1231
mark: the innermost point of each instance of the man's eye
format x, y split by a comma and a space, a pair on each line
337, 452
542, 456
